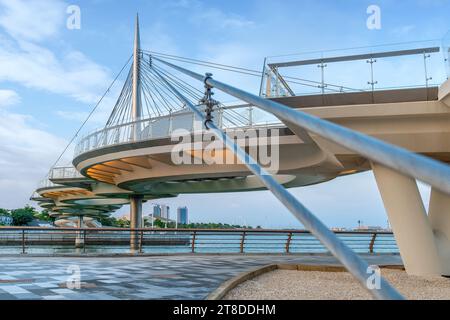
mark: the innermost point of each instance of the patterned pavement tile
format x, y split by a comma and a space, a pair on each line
151, 277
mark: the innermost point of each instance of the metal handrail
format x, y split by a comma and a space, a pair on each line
237, 240
434, 51
430, 171
302, 231
46, 183
121, 133
29, 240
64, 173
352, 262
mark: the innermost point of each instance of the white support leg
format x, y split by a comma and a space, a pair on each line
439, 216
410, 224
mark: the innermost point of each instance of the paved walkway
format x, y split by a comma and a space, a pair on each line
157, 277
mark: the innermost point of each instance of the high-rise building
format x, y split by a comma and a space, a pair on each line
165, 212
156, 211
182, 215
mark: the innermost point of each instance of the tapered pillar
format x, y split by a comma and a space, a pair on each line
135, 221
409, 221
439, 216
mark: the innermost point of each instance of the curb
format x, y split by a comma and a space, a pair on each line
225, 287
228, 285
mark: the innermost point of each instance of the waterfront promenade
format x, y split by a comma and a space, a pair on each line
145, 277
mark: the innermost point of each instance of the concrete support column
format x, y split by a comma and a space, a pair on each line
79, 239
439, 216
135, 220
409, 221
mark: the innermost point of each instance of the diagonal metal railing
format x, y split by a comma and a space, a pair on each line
357, 266
430, 171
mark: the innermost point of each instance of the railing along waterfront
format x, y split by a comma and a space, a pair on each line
234, 117
15, 240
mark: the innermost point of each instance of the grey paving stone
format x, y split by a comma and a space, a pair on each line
157, 277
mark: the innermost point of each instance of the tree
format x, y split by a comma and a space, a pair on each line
23, 216
4, 212
159, 224
123, 223
44, 215
108, 221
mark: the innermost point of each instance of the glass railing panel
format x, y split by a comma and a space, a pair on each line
235, 117
346, 76
446, 53
261, 117
160, 128
182, 121
414, 64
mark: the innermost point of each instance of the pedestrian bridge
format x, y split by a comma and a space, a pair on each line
402, 133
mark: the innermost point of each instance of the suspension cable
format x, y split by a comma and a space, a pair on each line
91, 113
250, 72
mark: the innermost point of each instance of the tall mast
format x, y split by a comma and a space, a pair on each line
136, 200
136, 103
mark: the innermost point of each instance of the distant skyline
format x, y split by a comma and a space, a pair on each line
51, 77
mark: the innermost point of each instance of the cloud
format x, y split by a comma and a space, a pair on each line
157, 40
32, 19
8, 98
36, 67
25, 61
202, 15
26, 151
72, 115
26, 154
218, 18
96, 119
403, 30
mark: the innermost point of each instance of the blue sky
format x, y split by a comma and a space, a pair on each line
50, 78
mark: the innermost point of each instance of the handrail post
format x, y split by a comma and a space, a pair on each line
149, 129
372, 242
84, 240
141, 238
170, 123
288, 242
242, 242
220, 122
193, 241
23, 241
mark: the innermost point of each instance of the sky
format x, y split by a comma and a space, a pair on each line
52, 76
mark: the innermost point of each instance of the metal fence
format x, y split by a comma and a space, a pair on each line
234, 117
416, 64
66, 172
14, 240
